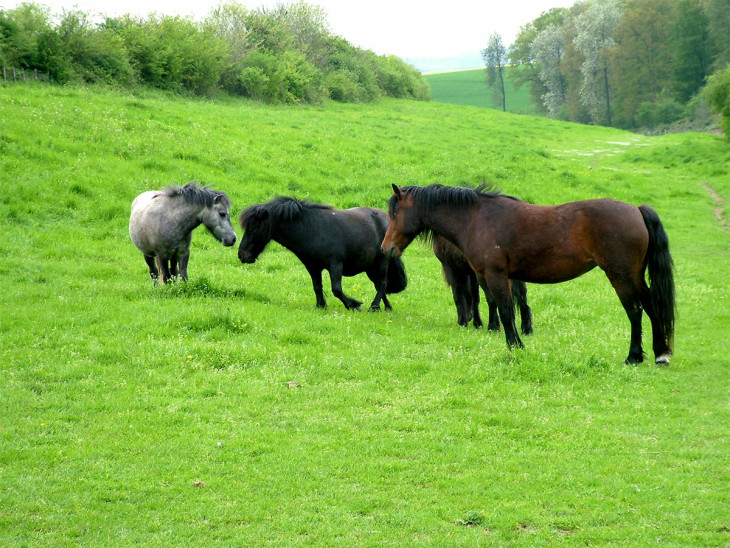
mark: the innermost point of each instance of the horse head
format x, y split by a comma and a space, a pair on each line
256, 226
403, 226
216, 219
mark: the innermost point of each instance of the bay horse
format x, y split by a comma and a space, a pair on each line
504, 238
465, 289
343, 242
162, 222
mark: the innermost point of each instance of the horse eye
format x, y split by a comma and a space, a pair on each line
223, 214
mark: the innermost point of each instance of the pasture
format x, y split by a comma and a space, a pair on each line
469, 88
228, 410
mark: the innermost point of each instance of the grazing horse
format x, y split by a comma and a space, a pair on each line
343, 242
465, 289
503, 239
162, 223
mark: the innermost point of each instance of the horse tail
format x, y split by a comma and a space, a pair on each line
397, 280
661, 274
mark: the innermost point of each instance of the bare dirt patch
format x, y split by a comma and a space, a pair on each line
719, 204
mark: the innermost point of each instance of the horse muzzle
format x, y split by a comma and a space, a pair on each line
391, 252
228, 241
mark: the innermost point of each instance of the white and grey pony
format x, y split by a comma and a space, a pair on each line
162, 223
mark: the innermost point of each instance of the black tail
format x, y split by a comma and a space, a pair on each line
661, 273
397, 280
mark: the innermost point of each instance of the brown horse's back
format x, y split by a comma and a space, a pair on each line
551, 244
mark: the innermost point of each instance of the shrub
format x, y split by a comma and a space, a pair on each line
717, 95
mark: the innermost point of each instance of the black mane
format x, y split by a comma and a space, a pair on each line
431, 196
198, 195
282, 209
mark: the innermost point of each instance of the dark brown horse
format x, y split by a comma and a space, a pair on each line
465, 289
504, 238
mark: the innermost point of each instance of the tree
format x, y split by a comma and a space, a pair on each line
524, 69
693, 48
495, 59
548, 49
717, 95
594, 39
718, 15
642, 57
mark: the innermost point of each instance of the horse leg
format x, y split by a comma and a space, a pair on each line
493, 321
386, 303
519, 290
630, 298
184, 258
379, 277
151, 264
662, 352
474, 298
336, 282
316, 275
499, 286
173, 266
163, 264
460, 291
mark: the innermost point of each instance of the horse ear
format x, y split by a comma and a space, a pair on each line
396, 190
217, 199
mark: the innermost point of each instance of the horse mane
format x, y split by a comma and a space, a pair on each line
430, 196
282, 209
197, 195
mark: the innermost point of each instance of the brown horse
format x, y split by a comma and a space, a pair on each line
504, 239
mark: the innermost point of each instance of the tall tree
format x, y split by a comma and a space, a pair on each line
642, 57
495, 59
524, 69
594, 38
693, 48
718, 13
548, 49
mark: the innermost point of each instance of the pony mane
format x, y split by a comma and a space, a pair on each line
431, 196
197, 195
282, 209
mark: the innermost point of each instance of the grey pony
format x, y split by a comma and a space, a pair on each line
162, 222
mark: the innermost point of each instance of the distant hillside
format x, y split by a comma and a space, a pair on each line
468, 87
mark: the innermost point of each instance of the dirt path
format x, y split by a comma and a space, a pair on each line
719, 203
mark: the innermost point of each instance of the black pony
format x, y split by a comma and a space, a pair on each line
465, 289
343, 242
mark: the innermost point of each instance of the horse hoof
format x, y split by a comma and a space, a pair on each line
374, 309
663, 359
633, 361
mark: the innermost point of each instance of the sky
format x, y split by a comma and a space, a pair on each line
412, 30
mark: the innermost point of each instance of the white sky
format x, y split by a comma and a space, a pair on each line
407, 28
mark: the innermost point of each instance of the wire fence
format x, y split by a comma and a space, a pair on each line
13, 74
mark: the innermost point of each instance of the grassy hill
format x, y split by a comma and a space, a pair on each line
468, 87
229, 411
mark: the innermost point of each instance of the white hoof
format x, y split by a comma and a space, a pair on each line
663, 359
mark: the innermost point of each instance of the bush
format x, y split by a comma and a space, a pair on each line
717, 95
664, 110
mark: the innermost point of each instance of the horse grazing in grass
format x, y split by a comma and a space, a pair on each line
343, 242
503, 239
465, 289
162, 223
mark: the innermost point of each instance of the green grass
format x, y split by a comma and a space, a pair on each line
469, 88
229, 411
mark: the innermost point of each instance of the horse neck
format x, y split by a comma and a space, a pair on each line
286, 234
448, 222
187, 215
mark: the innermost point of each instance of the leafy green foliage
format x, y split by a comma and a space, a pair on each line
717, 94
229, 411
286, 55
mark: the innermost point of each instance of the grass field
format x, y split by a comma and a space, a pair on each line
229, 411
468, 87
